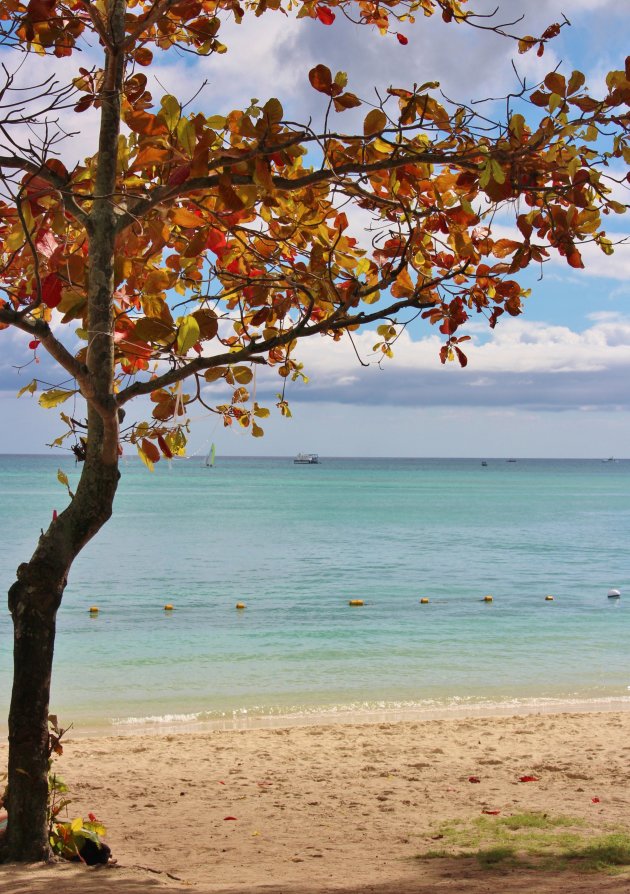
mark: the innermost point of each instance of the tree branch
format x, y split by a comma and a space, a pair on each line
40, 330
254, 350
59, 183
286, 184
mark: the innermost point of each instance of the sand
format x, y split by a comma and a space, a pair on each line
344, 807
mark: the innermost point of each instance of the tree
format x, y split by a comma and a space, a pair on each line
190, 248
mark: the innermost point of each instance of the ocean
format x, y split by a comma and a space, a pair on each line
295, 544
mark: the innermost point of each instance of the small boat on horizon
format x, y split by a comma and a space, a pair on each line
611, 459
209, 461
307, 459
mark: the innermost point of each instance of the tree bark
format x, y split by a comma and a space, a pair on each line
33, 602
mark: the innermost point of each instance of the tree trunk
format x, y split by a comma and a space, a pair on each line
34, 617
33, 602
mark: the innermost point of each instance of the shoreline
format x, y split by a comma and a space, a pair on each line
322, 808
342, 715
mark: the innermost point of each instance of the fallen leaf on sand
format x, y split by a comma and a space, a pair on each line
529, 779
491, 812
229, 817
474, 779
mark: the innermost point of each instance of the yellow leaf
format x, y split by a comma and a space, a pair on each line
145, 459
257, 431
63, 478
53, 397
77, 824
31, 388
187, 334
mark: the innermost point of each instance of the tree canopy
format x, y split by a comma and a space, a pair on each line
190, 249
230, 233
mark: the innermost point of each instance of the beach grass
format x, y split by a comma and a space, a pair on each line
533, 841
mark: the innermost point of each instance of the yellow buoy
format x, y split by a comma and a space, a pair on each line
355, 602
488, 599
94, 610
424, 601
168, 607
548, 598
240, 605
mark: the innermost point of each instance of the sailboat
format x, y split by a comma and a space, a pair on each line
209, 461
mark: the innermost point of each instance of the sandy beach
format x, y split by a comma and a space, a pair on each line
346, 807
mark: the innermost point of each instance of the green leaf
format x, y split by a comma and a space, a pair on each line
54, 397
216, 122
187, 334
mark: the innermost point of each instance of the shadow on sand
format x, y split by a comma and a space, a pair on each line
440, 877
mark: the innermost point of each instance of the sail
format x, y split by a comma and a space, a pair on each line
210, 456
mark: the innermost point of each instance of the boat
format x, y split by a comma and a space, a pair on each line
510, 460
307, 459
209, 461
611, 459
614, 594
483, 462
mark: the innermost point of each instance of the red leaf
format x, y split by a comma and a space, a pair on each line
595, 800
574, 259
402, 39
529, 779
179, 175
229, 817
216, 241
33, 344
491, 812
166, 450
474, 779
54, 515
51, 290
325, 15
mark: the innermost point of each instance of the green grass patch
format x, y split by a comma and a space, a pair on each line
534, 841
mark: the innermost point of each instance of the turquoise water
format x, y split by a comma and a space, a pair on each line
295, 543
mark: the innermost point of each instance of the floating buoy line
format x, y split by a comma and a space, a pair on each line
613, 593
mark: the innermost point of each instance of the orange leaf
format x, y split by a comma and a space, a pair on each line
375, 122
185, 218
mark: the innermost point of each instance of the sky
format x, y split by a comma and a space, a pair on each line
553, 382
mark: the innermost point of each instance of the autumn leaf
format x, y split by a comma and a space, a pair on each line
187, 334
54, 397
375, 122
51, 290
325, 15
321, 79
